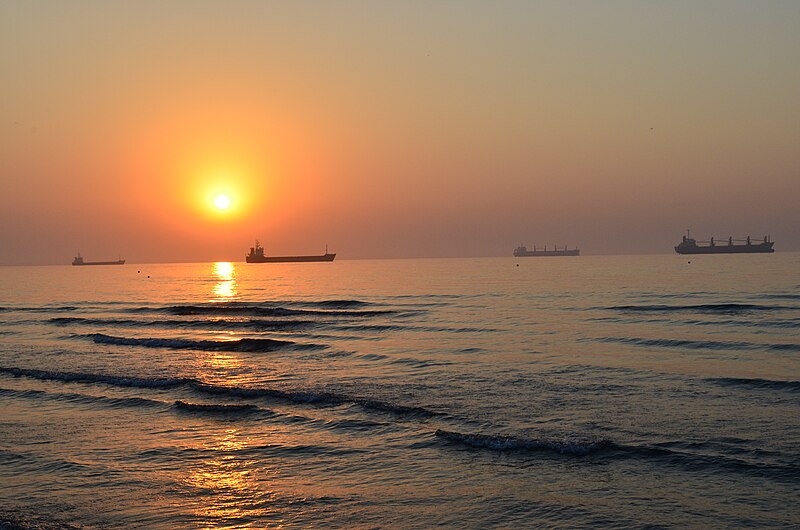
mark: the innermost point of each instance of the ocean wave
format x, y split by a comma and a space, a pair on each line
701, 344
136, 402
294, 395
784, 347
658, 454
772, 384
695, 462
699, 308
378, 328
214, 408
217, 324
681, 343
83, 398
774, 323
780, 296
260, 310
114, 380
239, 345
335, 304
325, 304
512, 443
42, 309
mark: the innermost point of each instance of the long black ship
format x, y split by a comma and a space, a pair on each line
729, 246
523, 252
79, 261
256, 255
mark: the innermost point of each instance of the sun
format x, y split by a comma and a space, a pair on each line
222, 202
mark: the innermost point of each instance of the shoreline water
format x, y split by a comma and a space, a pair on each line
405, 393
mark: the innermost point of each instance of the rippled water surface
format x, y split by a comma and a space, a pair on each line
554, 392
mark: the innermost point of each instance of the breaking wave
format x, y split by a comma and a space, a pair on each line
258, 325
42, 309
83, 398
76, 377
660, 454
260, 310
790, 386
214, 408
512, 443
699, 308
333, 304
243, 392
239, 345
701, 344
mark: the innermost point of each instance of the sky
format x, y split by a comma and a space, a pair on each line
394, 129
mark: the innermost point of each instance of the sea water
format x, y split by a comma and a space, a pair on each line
593, 391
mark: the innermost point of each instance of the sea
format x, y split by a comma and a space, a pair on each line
658, 391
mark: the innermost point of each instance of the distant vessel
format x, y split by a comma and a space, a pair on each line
731, 246
523, 252
79, 261
257, 256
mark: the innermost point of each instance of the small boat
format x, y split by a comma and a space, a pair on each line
257, 256
731, 246
79, 261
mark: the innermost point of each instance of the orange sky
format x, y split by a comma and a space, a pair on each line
404, 130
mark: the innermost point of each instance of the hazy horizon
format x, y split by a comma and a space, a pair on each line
394, 130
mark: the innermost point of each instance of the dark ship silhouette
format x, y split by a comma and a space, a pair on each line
523, 252
79, 261
731, 246
257, 256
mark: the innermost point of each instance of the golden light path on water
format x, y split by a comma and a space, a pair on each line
228, 478
225, 288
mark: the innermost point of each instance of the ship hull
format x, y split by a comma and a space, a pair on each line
547, 253
289, 259
118, 262
761, 248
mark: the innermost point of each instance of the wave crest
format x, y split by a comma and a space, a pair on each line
216, 408
265, 310
76, 377
512, 443
239, 345
791, 386
293, 395
699, 308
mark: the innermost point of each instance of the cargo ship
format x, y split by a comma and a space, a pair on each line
729, 246
523, 252
79, 261
257, 256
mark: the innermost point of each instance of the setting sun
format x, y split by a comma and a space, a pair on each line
222, 202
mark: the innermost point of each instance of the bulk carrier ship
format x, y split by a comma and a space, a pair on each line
79, 261
257, 256
523, 252
731, 246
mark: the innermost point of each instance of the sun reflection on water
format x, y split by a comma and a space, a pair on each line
226, 483
225, 288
